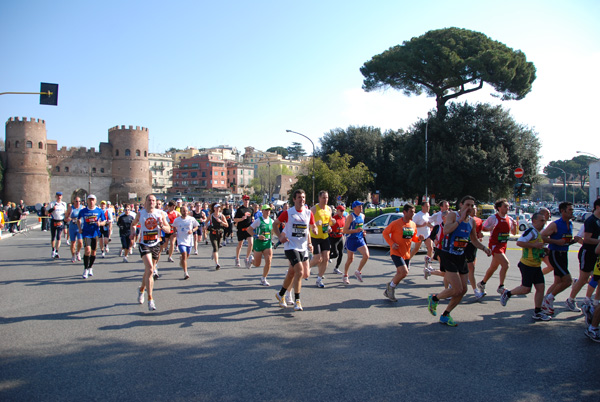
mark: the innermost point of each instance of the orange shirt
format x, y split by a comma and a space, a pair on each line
403, 234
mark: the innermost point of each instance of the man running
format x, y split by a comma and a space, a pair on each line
261, 230
458, 231
295, 239
105, 231
320, 241
336, 237
169, 242
91, 219
400, 234
76, 238
152, 221
355, 241
185, 226
124, 224
421, 219
559, 235
201, 218
57, 212
243, 219
501, 225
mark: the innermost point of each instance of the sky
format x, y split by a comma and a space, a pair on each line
239, 73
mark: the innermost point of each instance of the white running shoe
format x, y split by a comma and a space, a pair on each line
151, 305
91, 272
140, 296
125, 259
171, 259
358, 275
346, 280
337, 271
263, 281
85, 274
288, 298
103, 254
78, 256
237, 262
282, 300
107, 250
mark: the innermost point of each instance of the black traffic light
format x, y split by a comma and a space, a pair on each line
48, 94
518, 190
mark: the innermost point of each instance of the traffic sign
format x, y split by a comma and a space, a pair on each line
519, 173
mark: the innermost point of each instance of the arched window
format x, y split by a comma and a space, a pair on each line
137, 152
40, 145
93, 170
29, 144
145, 154
127, 152
101, 170
117, 152
66, 169
16, 144
58, 168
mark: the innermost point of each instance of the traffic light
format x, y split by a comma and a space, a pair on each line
48, 94
517, 190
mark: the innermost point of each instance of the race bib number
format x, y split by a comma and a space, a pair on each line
460, 242
150, 236
503, 237
407, 233
299, 230
359, 225
325, 227
91, 219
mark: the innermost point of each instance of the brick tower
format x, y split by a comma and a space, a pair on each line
130, 166
26, 170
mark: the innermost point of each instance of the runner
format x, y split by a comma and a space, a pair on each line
152, 222
587, 254
261, 230
185, 227
458, 231
559, 235
471, 253
320, 241
501, 225
530, 266
336, 237
91, 219
124, 224
105, 231
201, 218
243, 219
355, 241
169, 237
216, 223
228, 231
57, 212
400, 234
592, 315
76, 238
421, 219
295, 239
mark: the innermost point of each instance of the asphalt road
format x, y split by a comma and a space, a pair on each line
220, 336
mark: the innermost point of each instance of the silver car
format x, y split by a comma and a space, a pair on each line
374, 228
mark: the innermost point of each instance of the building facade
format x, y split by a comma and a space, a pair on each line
161, 168
594, 182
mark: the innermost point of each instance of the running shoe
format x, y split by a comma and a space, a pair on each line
588, 313
91, 272
103, 254
570, 303
186, 276
195, 252
346, 280
125, 259
389, 292
107, 249
504, 297
78, 256
320, 283
170, 259
593, 335
248, 263
218, 267
478, 294
237, 262
140, 296
358, 275
151, 305
73, 259
481, 288
298, 306
56, 256
500, 289
541, 316
68, 242
85, 274
432, 305
52, 253
288, 298
156, 275
337, 271
447, 320
281, 300
263, 281
121, 253
426, 273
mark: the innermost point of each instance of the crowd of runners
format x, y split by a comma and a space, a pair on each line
322, 235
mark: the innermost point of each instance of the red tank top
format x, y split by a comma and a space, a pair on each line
501, 231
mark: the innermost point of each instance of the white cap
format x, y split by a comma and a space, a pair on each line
91, 196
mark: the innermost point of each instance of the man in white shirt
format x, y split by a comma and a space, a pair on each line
185, 226
57, 213
421, 219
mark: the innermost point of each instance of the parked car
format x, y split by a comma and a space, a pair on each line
374, 230
524, 221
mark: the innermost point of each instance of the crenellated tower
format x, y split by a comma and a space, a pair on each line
130, 166
26, 157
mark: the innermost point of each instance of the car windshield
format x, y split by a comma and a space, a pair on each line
379, 221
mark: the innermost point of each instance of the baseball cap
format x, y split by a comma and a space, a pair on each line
102, 202
217, 205
245, 197
341, 207
91, 196
266, 206
59, 193
356, 204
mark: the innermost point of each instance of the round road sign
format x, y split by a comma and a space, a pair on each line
519, 173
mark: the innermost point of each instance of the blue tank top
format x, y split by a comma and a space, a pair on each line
357, 223
563, 230
74, 216
456, 242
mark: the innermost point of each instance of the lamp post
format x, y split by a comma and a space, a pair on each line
375, 177
565, 182
313, 163
426, 167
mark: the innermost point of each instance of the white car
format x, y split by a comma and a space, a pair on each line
374, 228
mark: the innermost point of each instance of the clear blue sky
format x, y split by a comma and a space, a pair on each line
205, 73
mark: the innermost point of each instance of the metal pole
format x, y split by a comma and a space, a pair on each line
313, 163
426, 167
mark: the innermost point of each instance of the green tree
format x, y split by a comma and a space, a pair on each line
295, 151
576, 168
474, 151
279, 150
265, 179
447, 63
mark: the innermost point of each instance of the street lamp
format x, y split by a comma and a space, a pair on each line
565, 182
313, 168
375, 177
426, 167
587, 153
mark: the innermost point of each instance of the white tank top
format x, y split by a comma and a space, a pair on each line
149, 230
296, 229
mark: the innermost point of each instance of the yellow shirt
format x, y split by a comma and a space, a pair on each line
322, 221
